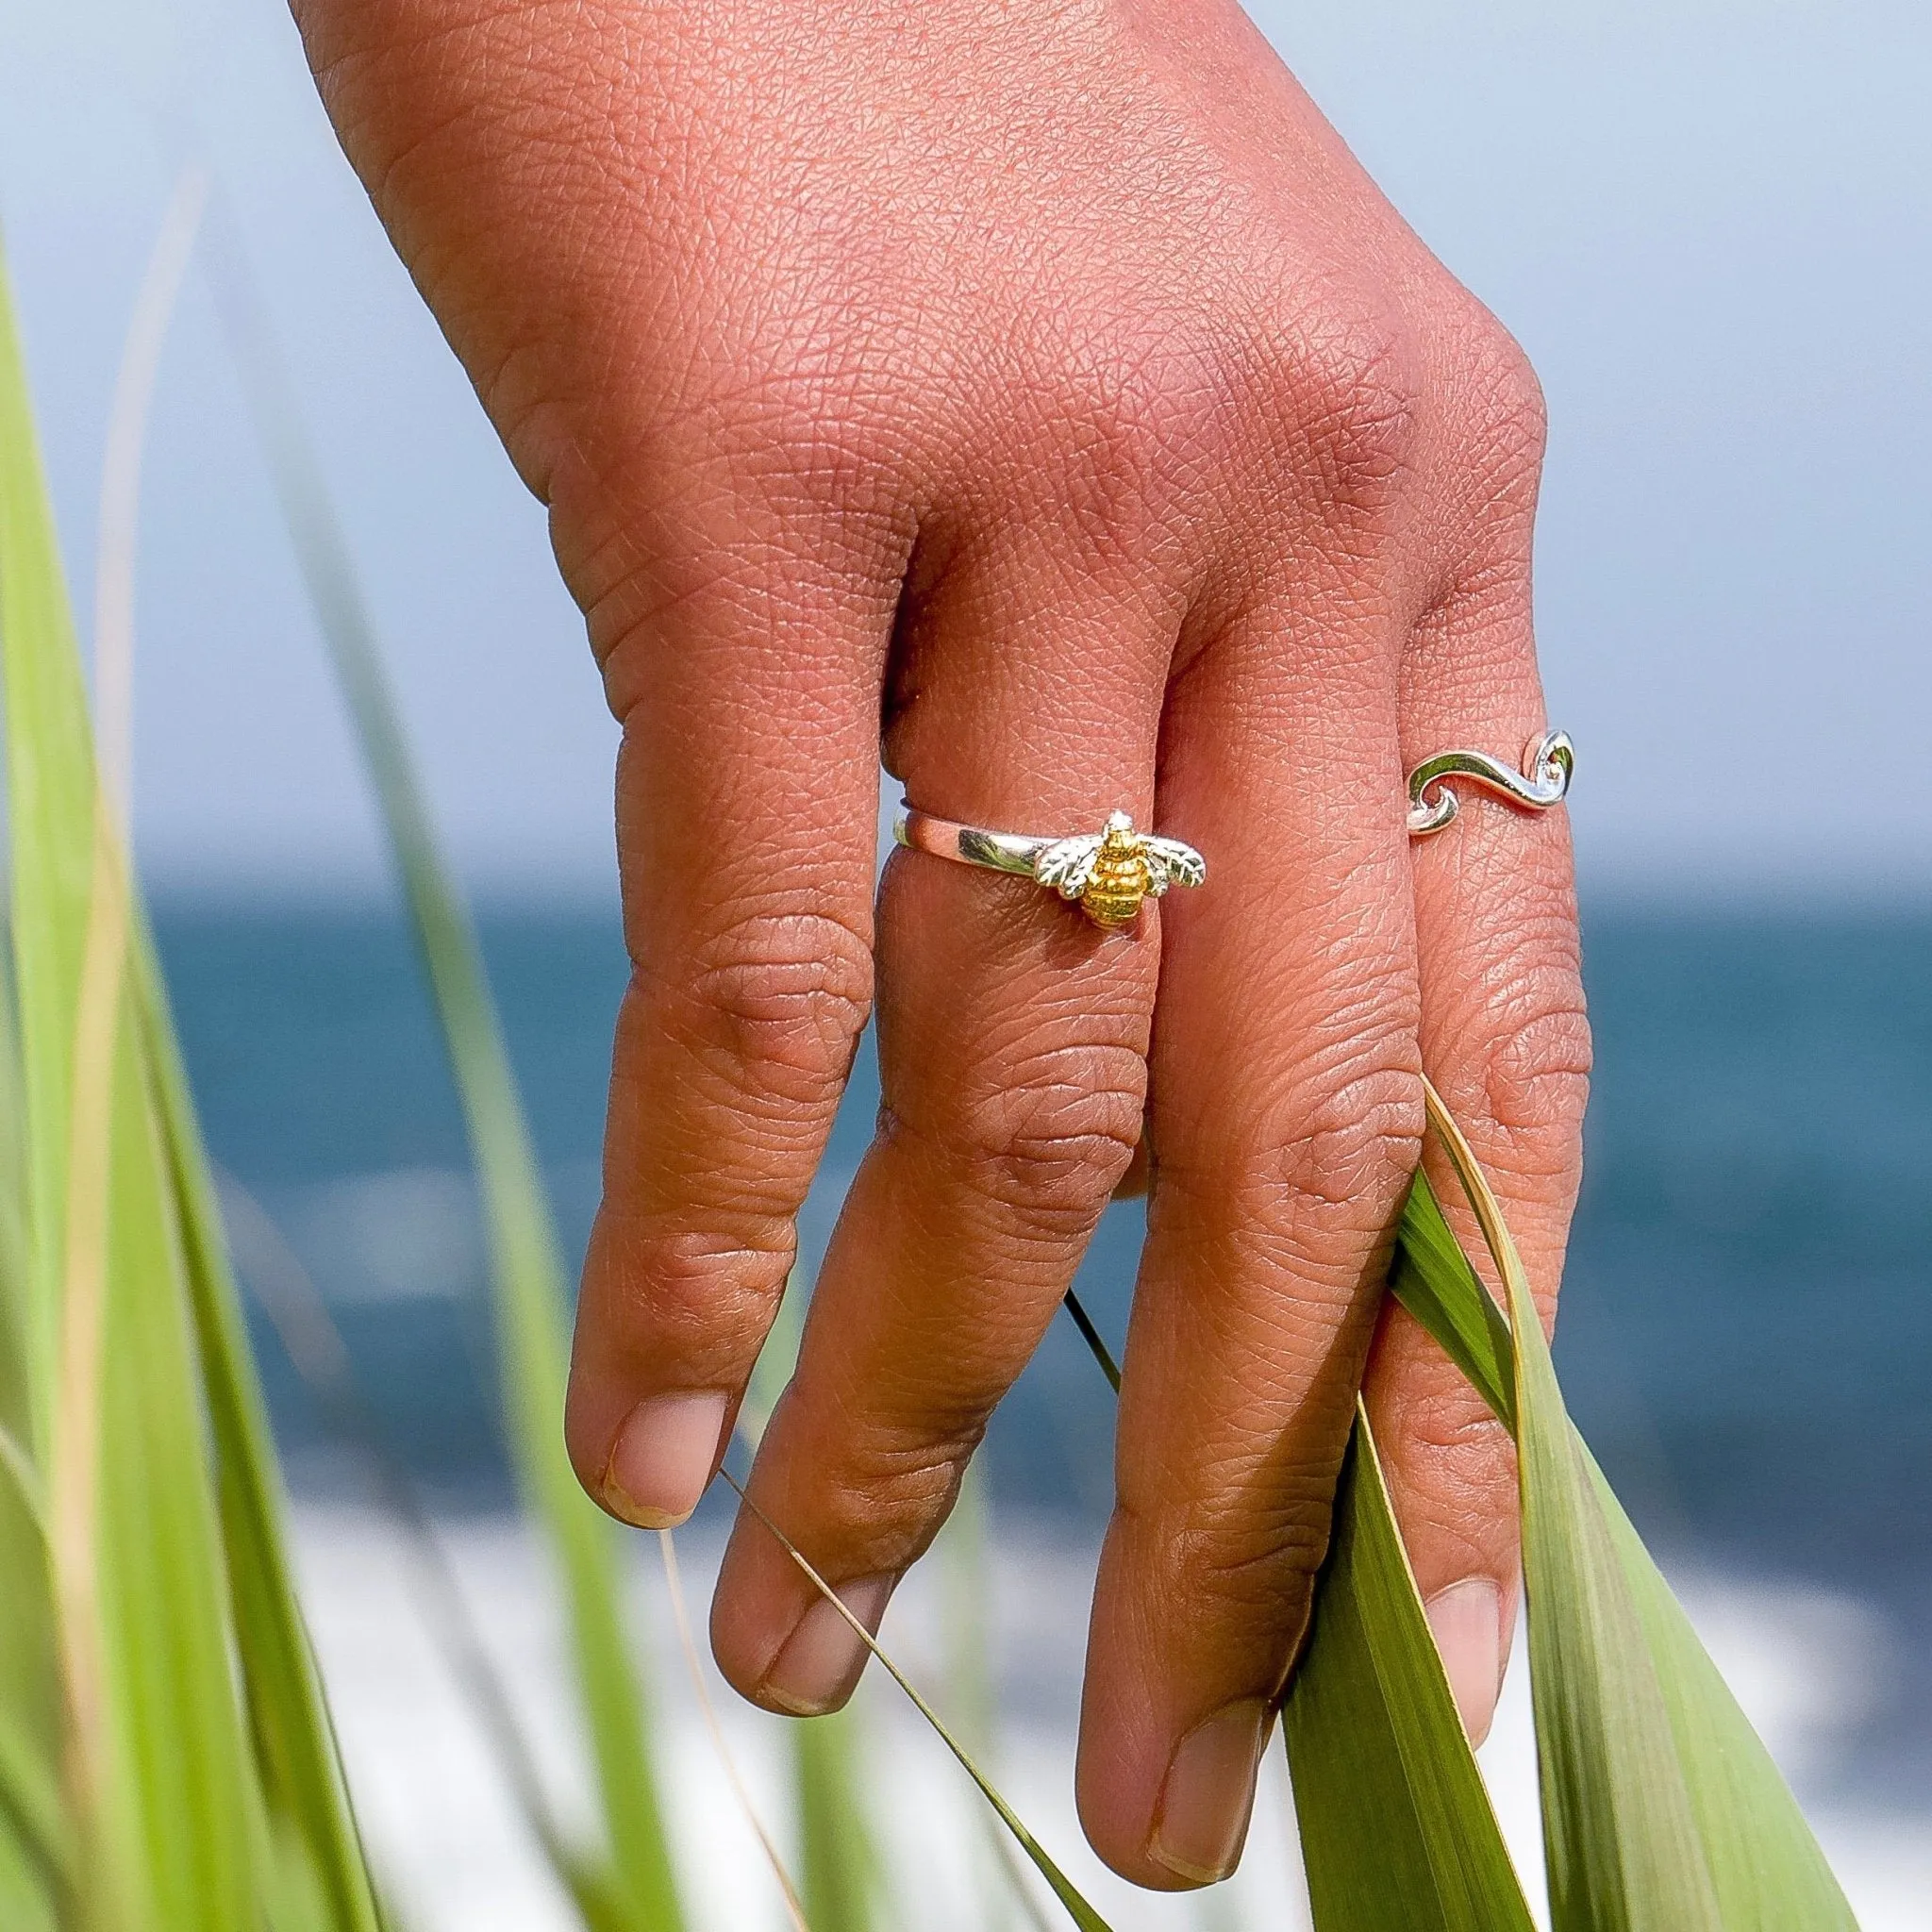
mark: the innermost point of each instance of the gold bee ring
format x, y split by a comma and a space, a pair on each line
1541, 783
1105, 873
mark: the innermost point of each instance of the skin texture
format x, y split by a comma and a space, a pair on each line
1045, 395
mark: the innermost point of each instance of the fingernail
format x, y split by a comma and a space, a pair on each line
1467, 1621
818, 1664
663, 1457
1202, 1818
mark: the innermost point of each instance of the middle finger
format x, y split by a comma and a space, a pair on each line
1284, 1125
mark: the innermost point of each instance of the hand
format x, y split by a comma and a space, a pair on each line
1050, 383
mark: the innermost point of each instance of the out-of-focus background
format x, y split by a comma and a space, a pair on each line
1707, 224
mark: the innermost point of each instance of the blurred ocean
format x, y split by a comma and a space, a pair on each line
1747, 1324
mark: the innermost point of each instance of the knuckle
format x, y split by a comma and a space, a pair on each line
1249, 1569
1503, 417
702, 1300
1306, 1171
1359, 1136
1130, 387
1239, 1573
1536, 1065
884, 1502
775, 1003
1315, 1174
1349, 389
1452, 1442
811, 445
1452, 1473
1051, 1136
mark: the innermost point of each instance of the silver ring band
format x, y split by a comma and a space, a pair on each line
1541, 783
1012, 852
1109, 874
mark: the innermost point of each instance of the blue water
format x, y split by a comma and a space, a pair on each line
1747, 1332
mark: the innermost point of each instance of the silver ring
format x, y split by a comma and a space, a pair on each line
1541, 783
1106, 873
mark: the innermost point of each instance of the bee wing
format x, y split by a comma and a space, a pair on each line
1067, 864
1171, 863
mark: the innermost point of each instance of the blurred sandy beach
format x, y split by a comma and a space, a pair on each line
1808, 1665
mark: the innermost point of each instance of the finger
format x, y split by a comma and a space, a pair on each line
747, 796
1012, 1036
1505, 1041
1284, 1122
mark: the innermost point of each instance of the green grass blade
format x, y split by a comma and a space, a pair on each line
16, 1404
1396, 1827
33, 1826
316, 1351
1433, 1280
1661, 1808
310, 1842
163, 1602
1768, 1870
167, 1834
837, 1865
44, 792
304, 1791
526, 1269
1622, 1845
308, 1832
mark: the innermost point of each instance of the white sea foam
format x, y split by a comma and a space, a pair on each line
1806, 1664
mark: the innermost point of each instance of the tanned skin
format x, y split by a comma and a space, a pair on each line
1042, 397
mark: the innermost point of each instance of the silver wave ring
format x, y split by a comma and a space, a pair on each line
1541, 782
1106, 873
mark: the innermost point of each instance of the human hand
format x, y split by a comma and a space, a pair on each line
1050, 383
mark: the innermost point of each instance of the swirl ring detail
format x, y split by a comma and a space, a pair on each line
1541, 783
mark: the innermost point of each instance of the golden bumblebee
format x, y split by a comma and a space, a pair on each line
1108, 873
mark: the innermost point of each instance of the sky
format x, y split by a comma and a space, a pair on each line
1707, 224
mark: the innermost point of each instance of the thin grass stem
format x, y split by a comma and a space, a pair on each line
1095, 1342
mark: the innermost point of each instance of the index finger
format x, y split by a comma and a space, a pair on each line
747, 800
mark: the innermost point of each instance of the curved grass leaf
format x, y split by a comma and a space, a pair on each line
309, 1850
1661, 1808
313, 1824
1433, 1280
180, 1382
1396, 1827
1768, 1870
